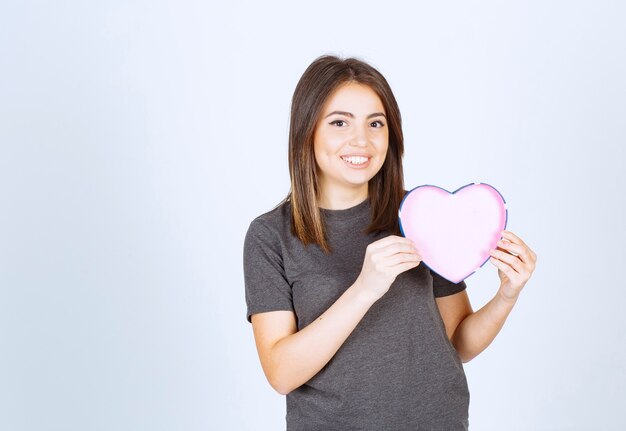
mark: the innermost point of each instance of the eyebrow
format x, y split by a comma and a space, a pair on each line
349, 114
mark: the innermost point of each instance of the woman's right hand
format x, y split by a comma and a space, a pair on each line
384, 260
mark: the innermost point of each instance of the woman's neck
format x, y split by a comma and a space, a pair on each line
342, 199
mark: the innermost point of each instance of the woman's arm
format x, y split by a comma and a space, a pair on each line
289, 358
289, 361
471, 332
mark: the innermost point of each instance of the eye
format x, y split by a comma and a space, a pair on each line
337, 121
379, 122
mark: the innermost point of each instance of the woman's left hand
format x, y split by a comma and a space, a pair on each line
515, 262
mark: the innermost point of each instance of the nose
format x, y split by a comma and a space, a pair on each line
360, 137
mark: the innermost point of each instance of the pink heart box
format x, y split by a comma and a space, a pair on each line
453, 232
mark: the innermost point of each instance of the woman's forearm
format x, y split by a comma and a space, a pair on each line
478, 330
299, 356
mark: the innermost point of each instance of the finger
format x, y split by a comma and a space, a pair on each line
513, 261
394, 248
509, 246
507, 234
506, 269
400, 258
523, 252
391, 239
405, 266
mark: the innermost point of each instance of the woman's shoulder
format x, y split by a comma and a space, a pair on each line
276, 219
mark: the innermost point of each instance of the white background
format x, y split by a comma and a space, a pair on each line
139, 139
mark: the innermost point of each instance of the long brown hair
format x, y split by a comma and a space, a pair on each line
385, 189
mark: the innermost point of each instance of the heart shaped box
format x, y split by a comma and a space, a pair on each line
453, 232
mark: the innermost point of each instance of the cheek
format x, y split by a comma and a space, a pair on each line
381, 160
382, 145
384, 149
380, 138
323, 155
327, 146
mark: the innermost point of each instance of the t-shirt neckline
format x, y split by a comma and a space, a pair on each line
346, 213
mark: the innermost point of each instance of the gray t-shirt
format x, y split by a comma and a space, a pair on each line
397, 370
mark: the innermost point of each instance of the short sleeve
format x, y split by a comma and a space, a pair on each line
266, 286
444, 287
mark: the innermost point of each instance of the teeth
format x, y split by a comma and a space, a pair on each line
355, 160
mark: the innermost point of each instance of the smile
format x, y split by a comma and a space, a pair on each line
356, 161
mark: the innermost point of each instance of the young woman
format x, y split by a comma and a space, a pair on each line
347, 323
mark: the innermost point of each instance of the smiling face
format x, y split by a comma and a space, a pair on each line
350, 144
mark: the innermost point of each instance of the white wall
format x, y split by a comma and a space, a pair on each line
139, 139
